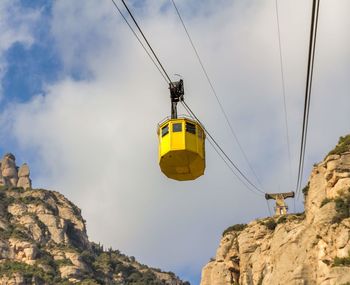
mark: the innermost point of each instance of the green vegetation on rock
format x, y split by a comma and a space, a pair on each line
325, 201
270, 224
282, 219
9, 268
48, 231
342, 146
63, 262
234, 228
342, 206
342, 261
306, 189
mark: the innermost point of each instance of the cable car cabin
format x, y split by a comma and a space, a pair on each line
181, 148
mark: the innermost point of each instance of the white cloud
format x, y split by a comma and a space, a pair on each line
95, 140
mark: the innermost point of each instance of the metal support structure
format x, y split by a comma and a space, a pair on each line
174, 110
176, 95
281, 206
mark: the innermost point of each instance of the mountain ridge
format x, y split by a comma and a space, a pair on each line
43, 240
306, 248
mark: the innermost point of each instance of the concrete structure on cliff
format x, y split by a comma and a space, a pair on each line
12, 175
309, 248
281, 207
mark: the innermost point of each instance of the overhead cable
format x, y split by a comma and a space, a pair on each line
216, 96
150, 47
283, 92
222, 151
222, 157
268, 207
139, 40
307, 100
244, 178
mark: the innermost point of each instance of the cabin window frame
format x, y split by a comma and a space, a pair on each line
190, 128
165, 130
177, 127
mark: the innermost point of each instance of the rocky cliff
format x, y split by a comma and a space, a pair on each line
43, 240
307, 248
13, 176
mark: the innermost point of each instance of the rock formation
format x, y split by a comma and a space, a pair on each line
308, 248
23, 177
9, 170
11, 176
43, 240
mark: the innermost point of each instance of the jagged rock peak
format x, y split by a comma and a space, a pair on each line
11, 175
306, 248
43, 240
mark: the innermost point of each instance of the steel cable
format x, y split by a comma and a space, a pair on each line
307, 100
138, 39
216, 96
244, 179
283, 92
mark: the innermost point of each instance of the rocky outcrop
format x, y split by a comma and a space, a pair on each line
23, 177
11, 176
308, 248
9, 170
43, 240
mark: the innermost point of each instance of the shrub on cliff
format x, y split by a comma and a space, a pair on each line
306, 189
234, 228
270, 224
342, 261
342, 206
325, 201
342, 146
282, 219
8, 268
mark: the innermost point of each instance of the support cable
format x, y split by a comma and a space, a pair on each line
223, 159
216, 96
310, 68
268, 207
294, 206
283, 92
139, 40
222, 151
243, 177
213, 144
150, 47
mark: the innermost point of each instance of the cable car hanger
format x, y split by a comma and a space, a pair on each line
181, 141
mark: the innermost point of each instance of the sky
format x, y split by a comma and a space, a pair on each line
80, 102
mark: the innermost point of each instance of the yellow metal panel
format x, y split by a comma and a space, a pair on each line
181, 154
182, 165
177, 138
165, 144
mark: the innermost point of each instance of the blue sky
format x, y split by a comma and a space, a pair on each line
80, 102
29, 68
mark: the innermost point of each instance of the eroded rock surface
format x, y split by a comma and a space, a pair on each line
23, 177
43, 240
13, 176
9, 170
310, 248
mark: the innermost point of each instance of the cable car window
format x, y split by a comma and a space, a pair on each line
165, 130
191, 128
177, 127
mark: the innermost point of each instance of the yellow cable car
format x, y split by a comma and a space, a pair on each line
181, 142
